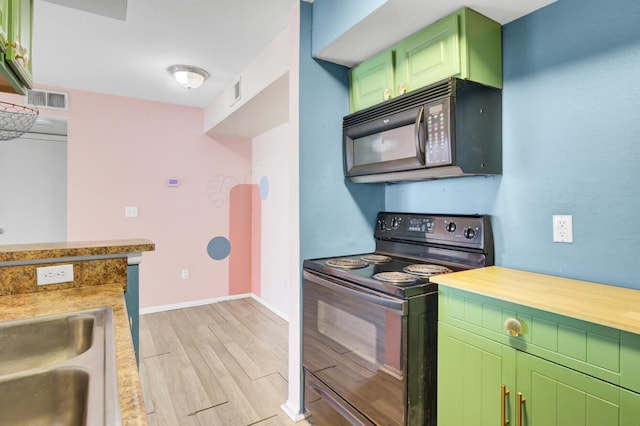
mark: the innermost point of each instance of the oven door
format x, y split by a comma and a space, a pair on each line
354, 342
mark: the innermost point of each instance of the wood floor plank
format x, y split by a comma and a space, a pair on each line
221, 415
211, 351
204, 314
267, 355
218, 364
275, 318
188, 336
166, 397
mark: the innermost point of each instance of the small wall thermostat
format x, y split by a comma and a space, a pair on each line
173, 182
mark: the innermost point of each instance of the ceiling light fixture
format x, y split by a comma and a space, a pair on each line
187, 76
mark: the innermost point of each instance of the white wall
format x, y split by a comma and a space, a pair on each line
270, 169
33, 189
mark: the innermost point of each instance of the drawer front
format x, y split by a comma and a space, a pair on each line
602, 352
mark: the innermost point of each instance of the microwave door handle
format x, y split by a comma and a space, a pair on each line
420, 142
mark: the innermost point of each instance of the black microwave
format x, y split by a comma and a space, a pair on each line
451, 128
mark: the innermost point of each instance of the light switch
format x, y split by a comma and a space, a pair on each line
130, 212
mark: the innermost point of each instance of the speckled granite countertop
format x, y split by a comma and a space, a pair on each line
76, 299
25, 252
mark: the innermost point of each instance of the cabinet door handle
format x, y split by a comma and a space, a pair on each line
386, 94
521, 401
402, 89
505, 392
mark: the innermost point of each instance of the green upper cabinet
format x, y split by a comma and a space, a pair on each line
373, 81
15, 68
429, 56
465, 45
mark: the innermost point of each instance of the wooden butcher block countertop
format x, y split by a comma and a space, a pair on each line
602, 304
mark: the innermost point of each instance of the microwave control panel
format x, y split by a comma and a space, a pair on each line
438, 123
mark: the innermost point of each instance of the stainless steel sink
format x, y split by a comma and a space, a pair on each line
40, 342
54, 397
59, 370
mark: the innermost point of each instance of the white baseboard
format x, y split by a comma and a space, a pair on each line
292, 412
191, 304
201, 302
269, 307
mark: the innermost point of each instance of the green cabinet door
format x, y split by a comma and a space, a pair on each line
372, 81
428, 56
558, 396
471, 373
18, 52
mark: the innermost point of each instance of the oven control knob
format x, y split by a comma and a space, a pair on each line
395, 222
451, 227
469, 233
382, 225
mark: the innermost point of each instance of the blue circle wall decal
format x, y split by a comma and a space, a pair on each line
264, 187
219, 248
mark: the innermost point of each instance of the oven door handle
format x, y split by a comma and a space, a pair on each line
387, 302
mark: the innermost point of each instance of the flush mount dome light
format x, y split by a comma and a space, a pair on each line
187, 76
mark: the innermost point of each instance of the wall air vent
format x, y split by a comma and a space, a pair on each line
234, 92
48, 99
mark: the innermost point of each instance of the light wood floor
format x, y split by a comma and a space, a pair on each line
218, 364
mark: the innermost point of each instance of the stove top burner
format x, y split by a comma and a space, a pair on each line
376, 258
426, 269
396, 277
345, 263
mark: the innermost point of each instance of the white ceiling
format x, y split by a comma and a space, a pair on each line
73, 48
76, 49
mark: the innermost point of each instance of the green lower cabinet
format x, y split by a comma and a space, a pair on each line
558, 396
472, 371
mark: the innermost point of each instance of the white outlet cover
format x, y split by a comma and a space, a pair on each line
54, 274
562, 228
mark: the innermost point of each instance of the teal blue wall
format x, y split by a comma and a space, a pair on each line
571, 140
331, 18
336, 216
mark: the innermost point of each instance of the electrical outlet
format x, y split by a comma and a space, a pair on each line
185, 274
562, 228
54, 274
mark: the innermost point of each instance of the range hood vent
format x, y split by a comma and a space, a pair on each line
48, 99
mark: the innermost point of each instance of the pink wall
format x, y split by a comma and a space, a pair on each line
120, 153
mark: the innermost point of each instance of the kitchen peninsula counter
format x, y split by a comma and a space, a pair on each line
39, 251
601, 304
